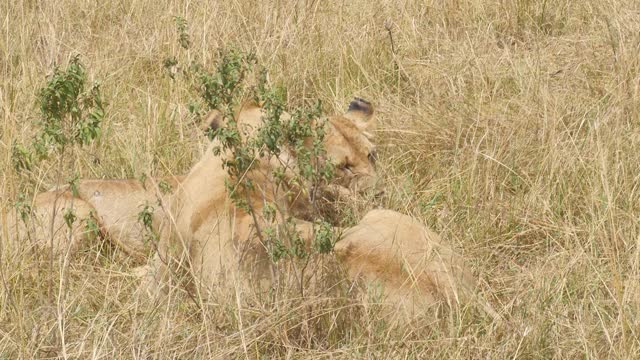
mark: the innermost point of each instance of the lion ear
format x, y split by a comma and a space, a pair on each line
361, 113
212, 121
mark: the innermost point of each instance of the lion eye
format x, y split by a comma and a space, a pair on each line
373, 156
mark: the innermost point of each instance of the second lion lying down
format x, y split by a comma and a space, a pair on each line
412, 266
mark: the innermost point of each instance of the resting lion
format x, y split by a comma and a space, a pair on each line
410, 264
114, 205
215, 239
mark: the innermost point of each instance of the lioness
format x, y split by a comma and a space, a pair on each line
409, 267
114, 205
411, 263
216, 238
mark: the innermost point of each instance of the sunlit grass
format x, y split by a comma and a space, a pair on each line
510, 128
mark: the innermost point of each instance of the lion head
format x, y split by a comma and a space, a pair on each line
348, 142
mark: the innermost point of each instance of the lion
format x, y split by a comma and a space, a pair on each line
412, 266
114, 205
216, 240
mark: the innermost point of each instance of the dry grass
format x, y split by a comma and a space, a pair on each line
510, 127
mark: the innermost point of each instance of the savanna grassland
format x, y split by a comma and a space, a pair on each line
511, 128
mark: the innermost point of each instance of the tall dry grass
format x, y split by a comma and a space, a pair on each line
510, 127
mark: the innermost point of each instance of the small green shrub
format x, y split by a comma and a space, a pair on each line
235, 80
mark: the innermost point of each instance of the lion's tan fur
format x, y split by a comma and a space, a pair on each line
45, 224
114, 204
411, 264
